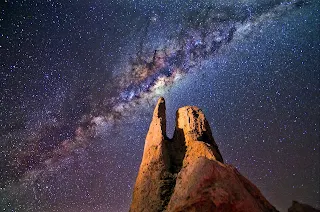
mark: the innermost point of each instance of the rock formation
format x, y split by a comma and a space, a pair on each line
299, 207
187, 173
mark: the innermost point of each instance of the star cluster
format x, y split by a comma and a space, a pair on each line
79, 80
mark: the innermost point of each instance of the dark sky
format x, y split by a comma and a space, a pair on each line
80, 79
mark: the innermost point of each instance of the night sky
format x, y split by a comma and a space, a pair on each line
80, 79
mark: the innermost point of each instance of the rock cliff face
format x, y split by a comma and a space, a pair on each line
187, 173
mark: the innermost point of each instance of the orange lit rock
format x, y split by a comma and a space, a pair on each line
148, 192
186, 173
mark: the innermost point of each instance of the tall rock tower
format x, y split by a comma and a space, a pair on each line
187, 173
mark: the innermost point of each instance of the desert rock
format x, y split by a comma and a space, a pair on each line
187, 173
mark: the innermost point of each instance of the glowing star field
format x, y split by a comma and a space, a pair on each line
79, 81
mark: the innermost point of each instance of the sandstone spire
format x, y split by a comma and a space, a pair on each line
193, 136
149, 194
157, 130
186, 173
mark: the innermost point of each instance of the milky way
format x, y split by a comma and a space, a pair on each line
79, 81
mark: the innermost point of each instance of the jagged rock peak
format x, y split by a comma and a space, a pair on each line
159, 115
157, 129
193, 128
149, 191
187, 173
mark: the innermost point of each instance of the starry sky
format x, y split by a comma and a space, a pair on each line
80, 79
